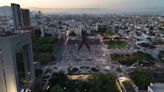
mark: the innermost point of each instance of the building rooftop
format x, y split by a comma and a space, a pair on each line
5, 34
158, 87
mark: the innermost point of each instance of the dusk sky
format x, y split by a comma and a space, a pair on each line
112, 4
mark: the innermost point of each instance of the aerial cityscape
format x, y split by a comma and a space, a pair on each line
77, 46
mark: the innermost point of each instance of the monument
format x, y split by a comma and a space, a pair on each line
84, 40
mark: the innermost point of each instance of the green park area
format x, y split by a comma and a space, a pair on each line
107, 35
146, 45
44, 49
137, 57
60, 82
161, 56
143, 78
128, 86
72, 33
161, 28
117, 44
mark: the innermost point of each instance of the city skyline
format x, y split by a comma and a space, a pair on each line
82, 46
111, 4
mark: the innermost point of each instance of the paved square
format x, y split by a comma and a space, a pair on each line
98, 57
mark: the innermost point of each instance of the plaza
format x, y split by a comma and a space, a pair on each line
84, 61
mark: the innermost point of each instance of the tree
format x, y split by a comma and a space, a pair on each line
58, 78
57, 88
97, 83
118, 69
141, 79
38, 72
103, 83
161, 55
72, 33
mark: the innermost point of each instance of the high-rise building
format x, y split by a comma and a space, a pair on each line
16, 62
16, 15
2, 74
25, 17
39, 14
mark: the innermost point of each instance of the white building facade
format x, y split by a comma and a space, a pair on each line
16, 62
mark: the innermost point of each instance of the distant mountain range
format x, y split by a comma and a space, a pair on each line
6, 10
73, 10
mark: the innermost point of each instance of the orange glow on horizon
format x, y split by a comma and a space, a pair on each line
111, 4
54, 3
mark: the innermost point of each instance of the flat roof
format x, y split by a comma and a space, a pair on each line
5, 34
10, 35
158, 87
